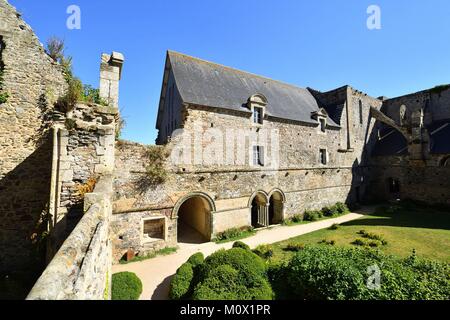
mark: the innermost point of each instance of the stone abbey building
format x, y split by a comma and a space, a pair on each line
242, 150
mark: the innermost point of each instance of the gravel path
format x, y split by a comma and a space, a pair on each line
156, 273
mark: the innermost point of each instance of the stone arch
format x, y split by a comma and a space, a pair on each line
194, 215
445, 162
258, 98
277, 200
259, 209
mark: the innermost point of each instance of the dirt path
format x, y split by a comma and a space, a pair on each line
156, 273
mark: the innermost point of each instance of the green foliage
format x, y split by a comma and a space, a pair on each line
334, 226
234, 234
92, 95
125, 286
341, 208
196, 259
162, 252
294, 247
156, 172
3, 95
265, 251
327, 242
371, 239
76, 91
334, 273
245, 271
180, 287
312, 215
240, 244
297, 218
235, 274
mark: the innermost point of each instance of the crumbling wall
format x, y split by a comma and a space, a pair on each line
33, 82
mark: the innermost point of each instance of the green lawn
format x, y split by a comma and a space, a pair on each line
426, 230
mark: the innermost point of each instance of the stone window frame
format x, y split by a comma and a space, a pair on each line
166, 229
258, 101
259, 151
327, 159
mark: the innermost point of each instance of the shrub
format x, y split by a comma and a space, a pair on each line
226, 283
378, 239
336, 273
231, 274
240, 244
181, 283
234, 233
297, 218
311, 215
334, 226
156, 172
244, 261
327, 242
125, 286
196, 259
265, 251
294, 247
328, 211
341, 208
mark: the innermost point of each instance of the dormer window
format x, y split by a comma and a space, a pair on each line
257, 104
321, 117
323, 124
257, 115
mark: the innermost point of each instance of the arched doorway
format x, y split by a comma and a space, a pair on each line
194, 219
276, 207
259, 210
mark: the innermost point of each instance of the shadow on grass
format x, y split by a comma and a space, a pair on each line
406, 216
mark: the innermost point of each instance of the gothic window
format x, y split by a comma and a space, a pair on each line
258, 156
323, 156
258, 115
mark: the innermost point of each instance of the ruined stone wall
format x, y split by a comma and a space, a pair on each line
85, 149
427, 183
81, 269
33, 82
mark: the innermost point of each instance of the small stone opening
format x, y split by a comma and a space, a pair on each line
154, 229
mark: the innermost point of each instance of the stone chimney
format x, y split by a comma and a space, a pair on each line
110, 74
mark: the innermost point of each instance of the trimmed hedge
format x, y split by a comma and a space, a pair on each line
236, 274
240, 244
125, 286
180, 287
330, 273
196, 259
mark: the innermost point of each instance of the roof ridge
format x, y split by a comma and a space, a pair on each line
235, 69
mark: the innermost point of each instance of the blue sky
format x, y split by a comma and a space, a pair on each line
322, 44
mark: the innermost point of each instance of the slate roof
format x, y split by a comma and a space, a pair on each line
209, 84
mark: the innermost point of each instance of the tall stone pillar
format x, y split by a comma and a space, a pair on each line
110, 74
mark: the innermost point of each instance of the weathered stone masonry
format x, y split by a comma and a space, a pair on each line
33, 82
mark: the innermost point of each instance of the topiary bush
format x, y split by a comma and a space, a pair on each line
236, 274
180, 286
196, 259
125, 286
240, 244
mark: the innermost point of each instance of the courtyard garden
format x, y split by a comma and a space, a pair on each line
400, 251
